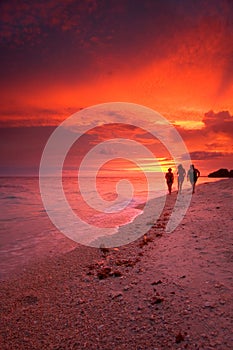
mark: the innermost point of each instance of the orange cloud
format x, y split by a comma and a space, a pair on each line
175, 57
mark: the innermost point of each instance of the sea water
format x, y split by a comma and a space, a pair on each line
26, 232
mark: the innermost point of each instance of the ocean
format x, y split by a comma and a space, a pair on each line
27, 233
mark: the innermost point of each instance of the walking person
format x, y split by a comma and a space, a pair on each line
181, 175
192, 176
170, 179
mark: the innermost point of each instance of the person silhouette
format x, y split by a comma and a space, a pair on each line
181, 175
170, 179
192, 176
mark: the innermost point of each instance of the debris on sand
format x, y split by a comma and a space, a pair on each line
179, 338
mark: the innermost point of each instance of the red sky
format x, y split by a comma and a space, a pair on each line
175, 57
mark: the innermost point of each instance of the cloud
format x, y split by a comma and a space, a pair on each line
31, 116
21, 148
220, 122
140, 29
203, 155
140, 51
214, 140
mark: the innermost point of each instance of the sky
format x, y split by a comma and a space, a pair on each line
59, 57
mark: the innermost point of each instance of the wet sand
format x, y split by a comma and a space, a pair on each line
163, 291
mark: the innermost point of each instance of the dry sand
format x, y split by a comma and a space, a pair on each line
164, 291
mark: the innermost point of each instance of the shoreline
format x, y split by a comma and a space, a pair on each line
163, 291
115, 239
69, 245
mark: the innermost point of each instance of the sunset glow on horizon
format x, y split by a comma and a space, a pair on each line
173, 57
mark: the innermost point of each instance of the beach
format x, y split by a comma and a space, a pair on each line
162, 291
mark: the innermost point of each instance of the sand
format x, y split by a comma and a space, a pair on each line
163, 291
